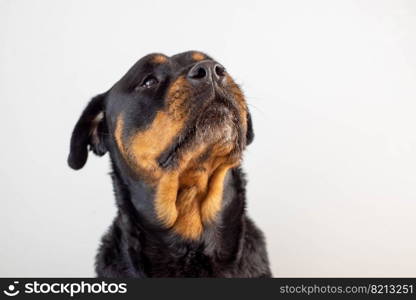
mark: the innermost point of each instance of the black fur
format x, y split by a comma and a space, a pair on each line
136, 245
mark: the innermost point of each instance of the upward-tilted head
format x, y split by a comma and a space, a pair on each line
178, 124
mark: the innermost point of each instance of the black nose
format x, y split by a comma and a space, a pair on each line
207, 71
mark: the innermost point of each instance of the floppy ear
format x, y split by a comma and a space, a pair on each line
89, 131
250, 132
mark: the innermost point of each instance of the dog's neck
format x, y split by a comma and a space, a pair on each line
137, 200
189, 199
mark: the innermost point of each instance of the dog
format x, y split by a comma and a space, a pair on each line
175, 129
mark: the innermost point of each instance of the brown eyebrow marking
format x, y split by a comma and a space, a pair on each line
198, 56
159, 59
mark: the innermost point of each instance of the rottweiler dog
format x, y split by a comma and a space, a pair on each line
175, 129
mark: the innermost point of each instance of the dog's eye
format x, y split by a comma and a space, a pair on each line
149, 82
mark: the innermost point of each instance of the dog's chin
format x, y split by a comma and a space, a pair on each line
217, 124
216, 129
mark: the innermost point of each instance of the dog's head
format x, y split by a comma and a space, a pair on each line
181, 120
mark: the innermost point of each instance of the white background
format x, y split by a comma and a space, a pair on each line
332, 90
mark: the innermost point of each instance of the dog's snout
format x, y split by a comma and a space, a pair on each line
206, 71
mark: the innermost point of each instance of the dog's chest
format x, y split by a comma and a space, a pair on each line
192, 264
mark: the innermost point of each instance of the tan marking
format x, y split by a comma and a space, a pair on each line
189, 222
212, 203
142, 149
168, 191
192, 195
159, 59
198, 56
165, 202
118, 134
146, 146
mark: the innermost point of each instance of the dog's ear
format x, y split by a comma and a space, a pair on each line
250, 132
89, 132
